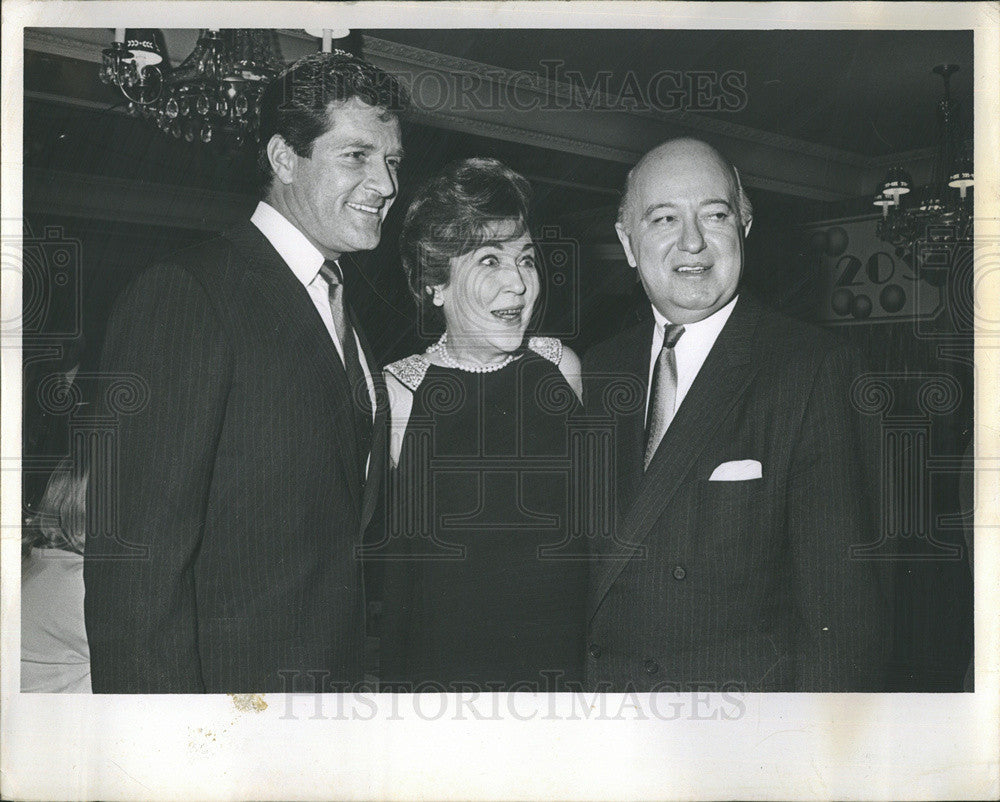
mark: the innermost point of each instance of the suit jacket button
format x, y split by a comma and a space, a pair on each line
651, 666
594, 650
679, 572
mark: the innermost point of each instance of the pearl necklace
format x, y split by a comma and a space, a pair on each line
441, 349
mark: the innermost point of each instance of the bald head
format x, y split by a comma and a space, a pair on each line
681, 223
673, 152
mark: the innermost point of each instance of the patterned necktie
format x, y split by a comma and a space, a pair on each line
663, 392
361, 401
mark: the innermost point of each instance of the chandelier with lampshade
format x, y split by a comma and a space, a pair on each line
212, 94
940, 212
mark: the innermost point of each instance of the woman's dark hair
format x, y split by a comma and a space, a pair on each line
456, 212
295, 104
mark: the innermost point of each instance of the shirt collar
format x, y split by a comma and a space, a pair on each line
299, 253
707, 329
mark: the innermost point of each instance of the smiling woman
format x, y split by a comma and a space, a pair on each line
472, 595
488, 299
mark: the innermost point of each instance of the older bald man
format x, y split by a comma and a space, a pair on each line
739, 482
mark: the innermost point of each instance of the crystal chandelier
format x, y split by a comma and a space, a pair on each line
941, 211
212, 94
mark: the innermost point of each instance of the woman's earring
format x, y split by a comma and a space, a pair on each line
436, 298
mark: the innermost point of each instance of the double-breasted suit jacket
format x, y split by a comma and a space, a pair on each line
231, 566
748, 583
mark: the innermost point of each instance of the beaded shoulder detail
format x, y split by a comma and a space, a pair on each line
548, 347
410, 371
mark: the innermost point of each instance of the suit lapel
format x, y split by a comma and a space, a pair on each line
279, 287
380, 426
630, 430
723, 378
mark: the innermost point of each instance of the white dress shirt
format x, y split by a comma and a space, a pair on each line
305, 260
690, 351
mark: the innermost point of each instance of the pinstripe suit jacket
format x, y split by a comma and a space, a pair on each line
230, 564
740, 584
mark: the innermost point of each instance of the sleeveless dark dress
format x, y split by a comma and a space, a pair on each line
483, 596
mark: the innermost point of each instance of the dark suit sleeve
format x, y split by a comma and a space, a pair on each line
841, 639
141, 612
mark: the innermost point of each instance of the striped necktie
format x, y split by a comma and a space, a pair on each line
663, 392
361, 401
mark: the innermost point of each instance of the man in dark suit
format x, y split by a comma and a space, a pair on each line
739, 480
247, 479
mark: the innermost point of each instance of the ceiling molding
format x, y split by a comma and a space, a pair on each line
792, 188
903, 157
89, 48
559, 182
571, 145
525, 136
44, 41
553, 90
75, 102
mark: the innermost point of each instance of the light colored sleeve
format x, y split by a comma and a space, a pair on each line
400, 407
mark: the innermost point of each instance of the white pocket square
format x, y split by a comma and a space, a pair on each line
736, 471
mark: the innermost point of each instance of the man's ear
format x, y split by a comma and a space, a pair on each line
623, 239
437, 294
283, 159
